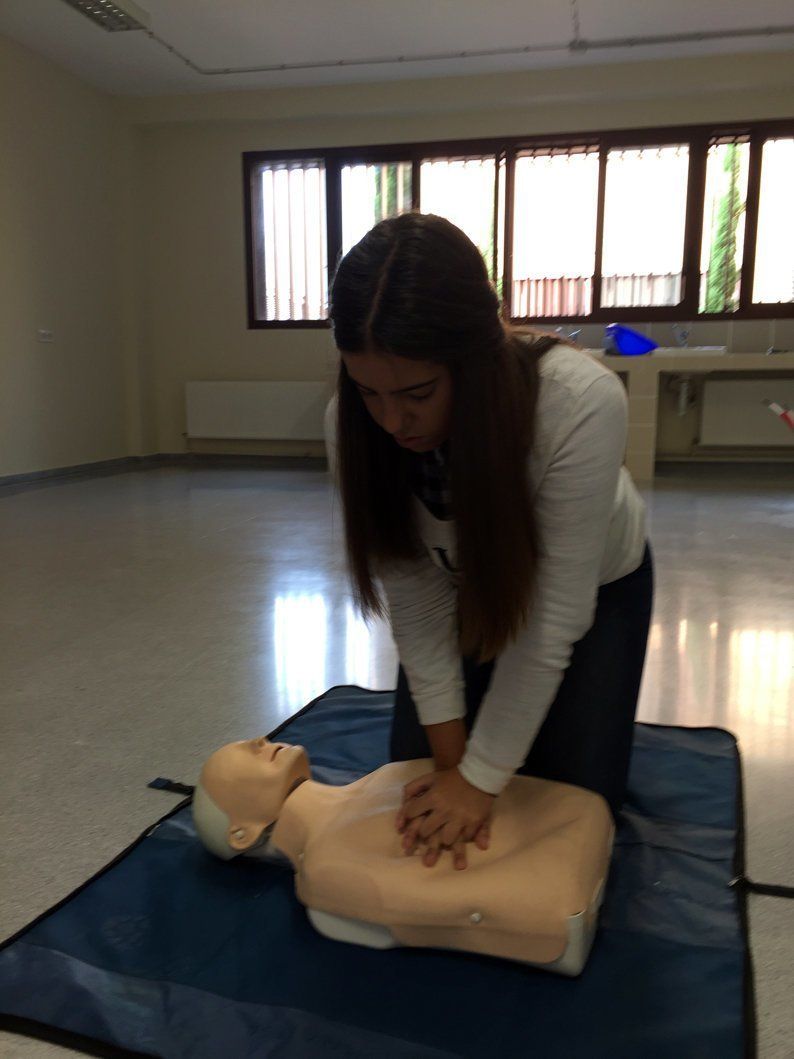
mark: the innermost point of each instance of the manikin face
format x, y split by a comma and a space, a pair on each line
409, 399
250, 781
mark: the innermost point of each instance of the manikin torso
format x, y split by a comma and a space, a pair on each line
544, 869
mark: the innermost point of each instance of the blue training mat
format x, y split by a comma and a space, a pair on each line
169, 952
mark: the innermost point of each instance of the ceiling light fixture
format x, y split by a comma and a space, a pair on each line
113, 15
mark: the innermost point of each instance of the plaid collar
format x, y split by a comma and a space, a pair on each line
431, 481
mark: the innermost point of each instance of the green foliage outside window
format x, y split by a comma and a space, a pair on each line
721, 292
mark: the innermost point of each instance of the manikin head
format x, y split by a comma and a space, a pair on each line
241, 790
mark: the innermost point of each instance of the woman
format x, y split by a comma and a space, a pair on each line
482, 483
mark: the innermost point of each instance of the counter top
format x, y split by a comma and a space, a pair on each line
679, 359
641, 375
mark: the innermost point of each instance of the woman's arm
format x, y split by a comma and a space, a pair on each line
423, 611
447, 742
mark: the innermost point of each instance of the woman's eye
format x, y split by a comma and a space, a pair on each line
411, 396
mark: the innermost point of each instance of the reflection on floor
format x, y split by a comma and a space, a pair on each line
149, 617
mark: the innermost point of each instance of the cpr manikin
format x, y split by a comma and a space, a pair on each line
532, 896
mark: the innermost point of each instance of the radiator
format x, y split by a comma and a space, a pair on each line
271, 411
733, 412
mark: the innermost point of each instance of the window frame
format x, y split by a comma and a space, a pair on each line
697, 138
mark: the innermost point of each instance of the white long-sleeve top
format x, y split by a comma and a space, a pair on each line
591, 523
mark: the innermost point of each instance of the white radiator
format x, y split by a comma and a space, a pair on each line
734, 413
273, 411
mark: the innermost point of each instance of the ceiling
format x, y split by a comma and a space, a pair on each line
324, 42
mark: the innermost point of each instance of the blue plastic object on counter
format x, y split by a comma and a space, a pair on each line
629, 343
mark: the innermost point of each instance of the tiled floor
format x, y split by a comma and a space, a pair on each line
147, 618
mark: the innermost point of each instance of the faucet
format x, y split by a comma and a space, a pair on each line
681, 333
573, 335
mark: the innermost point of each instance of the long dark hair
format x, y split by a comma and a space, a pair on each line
417, 286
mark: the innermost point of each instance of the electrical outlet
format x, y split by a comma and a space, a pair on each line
44, 335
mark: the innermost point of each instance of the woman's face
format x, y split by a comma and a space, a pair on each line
409, 399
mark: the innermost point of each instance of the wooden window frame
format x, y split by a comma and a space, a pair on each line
696, 137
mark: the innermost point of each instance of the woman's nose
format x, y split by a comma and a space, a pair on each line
392, 418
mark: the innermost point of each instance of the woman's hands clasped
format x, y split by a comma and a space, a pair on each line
442, 810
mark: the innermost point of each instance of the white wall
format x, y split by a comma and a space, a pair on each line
61, 207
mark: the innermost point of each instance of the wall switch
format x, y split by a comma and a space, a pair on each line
43, 335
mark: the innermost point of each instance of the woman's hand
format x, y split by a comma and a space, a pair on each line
443, 811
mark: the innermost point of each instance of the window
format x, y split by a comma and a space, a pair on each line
371, 193
554, 249
289, 237
658, 224
774, 252
644, 215
462, 190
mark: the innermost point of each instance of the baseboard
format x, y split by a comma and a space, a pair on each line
723, 470
125, 464
736, 459
248, 460
80, 470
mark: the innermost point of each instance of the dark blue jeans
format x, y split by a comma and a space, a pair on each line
587, 734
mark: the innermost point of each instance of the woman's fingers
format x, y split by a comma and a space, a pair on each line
432, 852
418, 786
434, 849
451, 835
448, 835
422, 829
411, 836
482, 839
431, 823
440, 841
459, 855
415, 807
